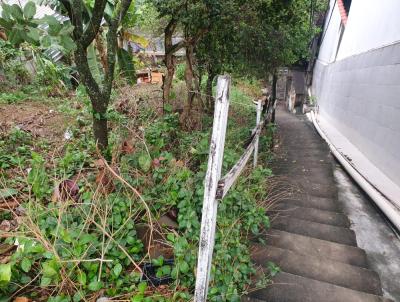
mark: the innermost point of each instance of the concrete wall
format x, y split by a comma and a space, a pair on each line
371, 24
330, 35
358, 90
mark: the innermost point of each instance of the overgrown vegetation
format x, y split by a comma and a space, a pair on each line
94, 214
62, 240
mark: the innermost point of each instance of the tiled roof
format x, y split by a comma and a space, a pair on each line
342, 10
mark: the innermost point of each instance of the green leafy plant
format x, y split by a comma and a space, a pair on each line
180, 71
37, 176
21, 26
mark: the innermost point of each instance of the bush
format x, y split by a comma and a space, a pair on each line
180, 71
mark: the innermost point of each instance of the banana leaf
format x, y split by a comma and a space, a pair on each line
126, 65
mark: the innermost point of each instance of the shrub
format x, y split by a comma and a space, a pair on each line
180, 71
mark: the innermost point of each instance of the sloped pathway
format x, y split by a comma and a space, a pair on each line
310, 238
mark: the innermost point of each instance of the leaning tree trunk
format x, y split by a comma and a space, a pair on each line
210, 100
169, 60
190, 81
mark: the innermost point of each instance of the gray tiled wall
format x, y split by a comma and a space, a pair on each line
361, 96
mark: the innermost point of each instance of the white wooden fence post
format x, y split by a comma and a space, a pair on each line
258, 119
209, 212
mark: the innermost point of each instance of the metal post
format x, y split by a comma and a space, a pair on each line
258, 119
209, 212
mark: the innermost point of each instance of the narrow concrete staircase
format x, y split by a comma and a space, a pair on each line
310, 238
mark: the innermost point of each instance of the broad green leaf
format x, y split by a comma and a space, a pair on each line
135, 38
86, 238
126, 65
81, 277
5, 272
50, 20
67, 43
166, 270
16, 12
158, 261
95, 285
183, 267
45, 281
26, 265
6, 13
137, 298
29, 10
34, 34
54, 29
7, 24
46, 41
50, 269
7, 192
79, 296
25, 279
15, 37
117, 269
144, 162
94, 63
142, 287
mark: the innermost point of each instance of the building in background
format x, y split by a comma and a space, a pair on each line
356, 86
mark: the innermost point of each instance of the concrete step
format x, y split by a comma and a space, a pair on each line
287, 209
305, 147
292, 288
285, 156
294, 162
315, 230
305, 183
305, 245
297, 170
321, 203
296, 173
318, 190
293, 155
321, 269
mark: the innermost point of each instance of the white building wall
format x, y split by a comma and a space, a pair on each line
371, 24
359, 92
330, 34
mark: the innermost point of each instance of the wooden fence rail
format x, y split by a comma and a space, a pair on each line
215, 187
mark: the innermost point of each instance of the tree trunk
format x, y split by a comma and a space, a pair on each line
102, 51
169, 59
100, 131
190, 82
210, 100
167, 85
99, 95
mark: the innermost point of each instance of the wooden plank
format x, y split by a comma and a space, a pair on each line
230, 178
209, 212
258, 118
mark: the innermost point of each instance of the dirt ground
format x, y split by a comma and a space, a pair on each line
40, 119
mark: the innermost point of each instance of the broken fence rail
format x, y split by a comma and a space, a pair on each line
215, 187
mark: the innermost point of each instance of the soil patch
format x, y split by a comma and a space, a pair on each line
39, 119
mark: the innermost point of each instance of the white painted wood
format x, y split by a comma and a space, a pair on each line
258, 118
209, 212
